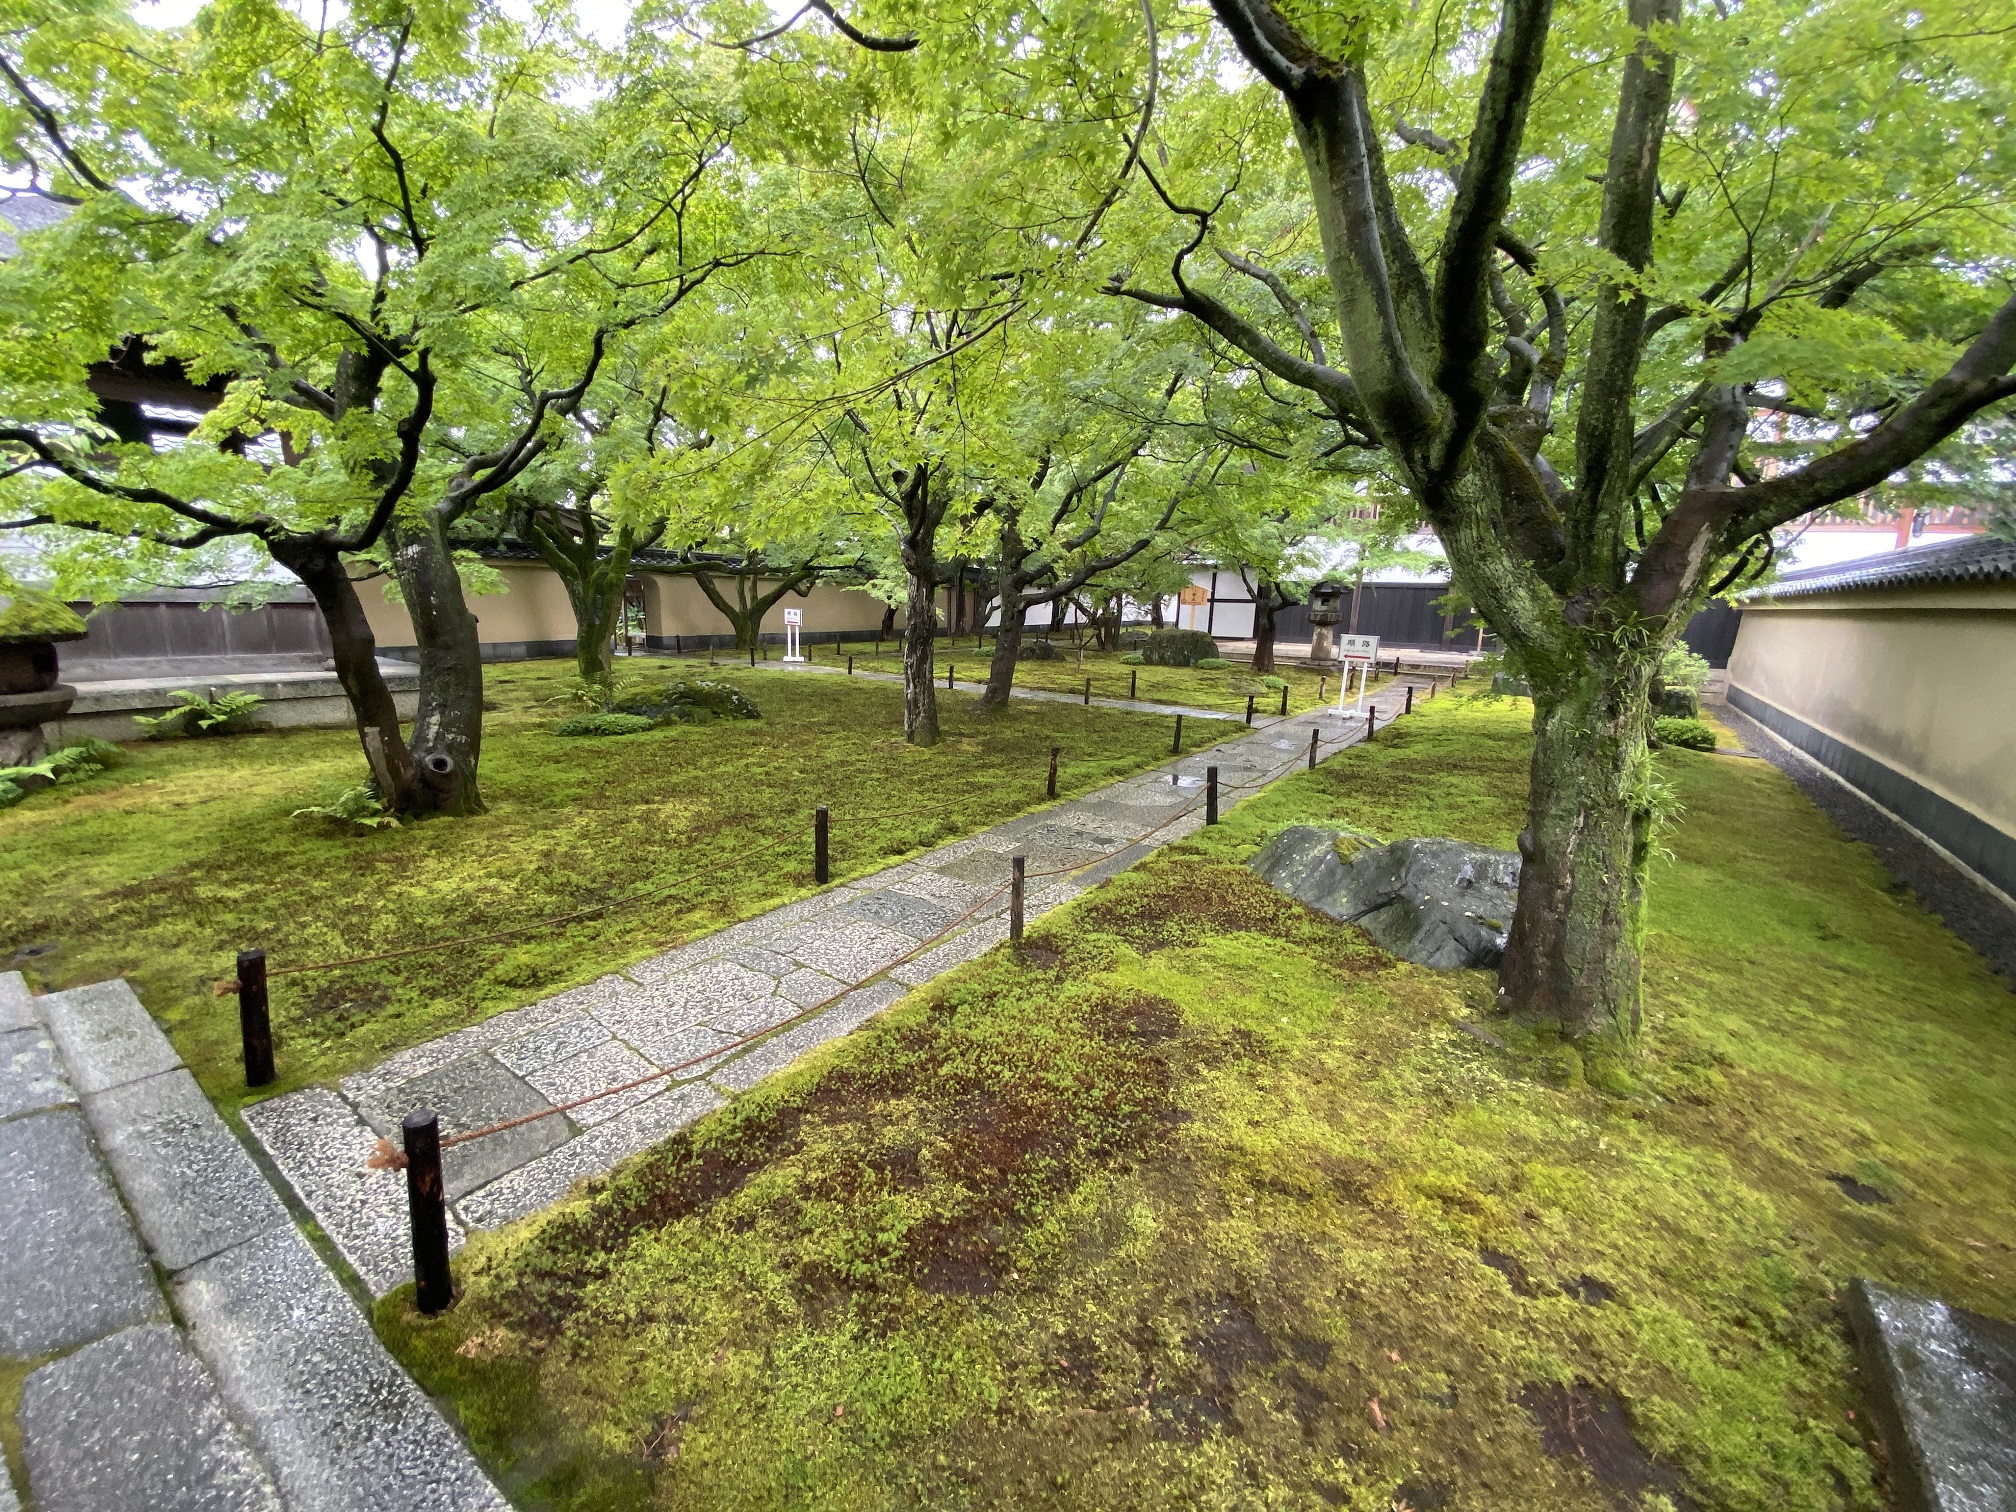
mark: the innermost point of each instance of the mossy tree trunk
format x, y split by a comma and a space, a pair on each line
594, 568
447, 739
1576, 944
354, 648
923, 501
752, 601
1014, 618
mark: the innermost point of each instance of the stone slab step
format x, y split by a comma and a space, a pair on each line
16, 1011
70, 1267
343, 1428
106, 1036
133, 1423
1941, 1382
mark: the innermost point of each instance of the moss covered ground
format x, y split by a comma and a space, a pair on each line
161, 869
1204, 1202
1223, 688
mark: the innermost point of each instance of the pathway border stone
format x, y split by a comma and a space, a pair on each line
857, 947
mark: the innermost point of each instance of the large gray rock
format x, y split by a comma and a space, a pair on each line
1436, 902
1941, 1382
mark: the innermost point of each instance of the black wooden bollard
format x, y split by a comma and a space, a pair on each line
850, 663
1051, 789
1410, 699
1284, 703
1176, 745
1314, 736
255, 1022
1133, 684
948, 676
820, 869
1088, 692
1017, 866
1322, 688
752, 656
427, 1205
677, 648
1210, 795
1371, 720
1249, 708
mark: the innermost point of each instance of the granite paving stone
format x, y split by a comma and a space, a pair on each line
472, 1094
9, 1501
686, 997
31, 1076
339, 1424
70, 1267
548, 1179
956, 951
679, 1044
756, 958
383, 1080
989, 869
804, 987
848, 949
133, 1423
609, 1064
936, 887
898, 911
17, 1004
562, 1039
321, 1146
767, 1013
105, 1035
190, 1184
775, 1054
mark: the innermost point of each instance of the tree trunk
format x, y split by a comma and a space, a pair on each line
1574, 953
1155, 616
920, 688
355, 650
1357, 593
1265, 602
448, 729
1014, 619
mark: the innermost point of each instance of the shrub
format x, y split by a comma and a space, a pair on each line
31, 615
696, 701
1682, 667
1273, 684
1211, 664
1133, 659
1688, 734
195, 715
605, 724
71, 764
1178, 648
1037, 650
359, 805
1680, 703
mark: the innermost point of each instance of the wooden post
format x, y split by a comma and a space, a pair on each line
1052, 788
1284, 703
1210, 795
255, 1023
1371, 720
1017, 865
1088, 692
427, 1206
1410, 699
820, 870
1314, 736
850, 663
948, 677
1249, 708
1133, 684
677, 648
1322, 687
752, 655
1176, 746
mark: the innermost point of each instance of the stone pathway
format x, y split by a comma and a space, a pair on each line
272, 1392
861, 944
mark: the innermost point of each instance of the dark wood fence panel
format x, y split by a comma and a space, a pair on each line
121, 632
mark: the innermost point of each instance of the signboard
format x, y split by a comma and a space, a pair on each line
1192, 594
793, 618
1364, 651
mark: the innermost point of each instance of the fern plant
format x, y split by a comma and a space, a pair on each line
71, 764
359, 806
193, 714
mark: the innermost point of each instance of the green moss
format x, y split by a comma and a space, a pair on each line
190, 854
1152, 1214
29, 616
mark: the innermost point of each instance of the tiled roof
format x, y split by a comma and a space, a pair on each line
1976, 559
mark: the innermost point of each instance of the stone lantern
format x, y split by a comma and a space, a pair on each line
30, 625
1326, 609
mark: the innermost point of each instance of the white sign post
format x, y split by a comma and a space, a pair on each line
1364, 651
793, 618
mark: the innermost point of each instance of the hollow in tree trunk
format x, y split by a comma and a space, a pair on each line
355, 651
447, 739
1575, 950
